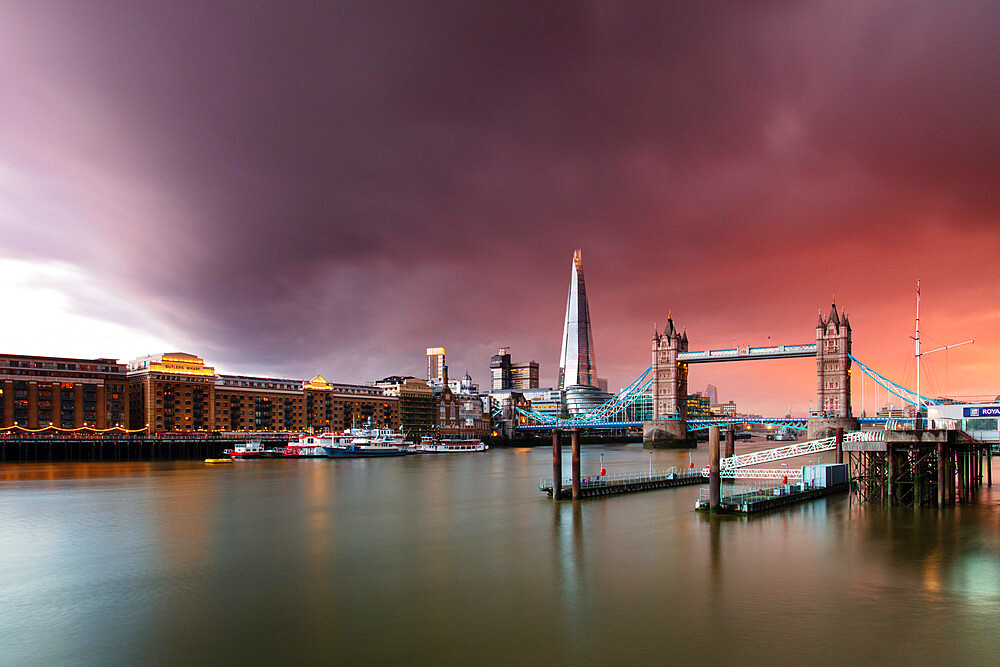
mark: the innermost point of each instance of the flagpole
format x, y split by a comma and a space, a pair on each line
919, 421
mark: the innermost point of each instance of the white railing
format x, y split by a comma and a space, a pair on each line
761, 473
797, 449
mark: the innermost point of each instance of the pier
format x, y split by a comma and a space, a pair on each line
919, 468
626, 482
25, 449
754, 499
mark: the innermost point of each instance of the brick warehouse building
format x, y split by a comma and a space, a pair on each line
177, 392
37, 392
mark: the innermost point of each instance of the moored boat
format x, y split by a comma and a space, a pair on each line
359, 450
216, 461
430, 445
246, 450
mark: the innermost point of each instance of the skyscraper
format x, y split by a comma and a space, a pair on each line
435, 365
576, 362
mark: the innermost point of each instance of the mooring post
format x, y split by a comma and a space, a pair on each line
714, 481
556, 465
730, 443
840, 444
574, 436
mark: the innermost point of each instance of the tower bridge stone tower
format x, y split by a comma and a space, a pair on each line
669, 375
833, 365
669, 389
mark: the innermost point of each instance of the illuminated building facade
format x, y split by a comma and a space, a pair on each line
524, 376
416, 404
435, 365
576, 361
698, 406
66, 393
177, 392
724, 409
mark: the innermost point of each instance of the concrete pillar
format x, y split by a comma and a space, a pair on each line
556, 465
714, 480
942, 495
575, 447
840, 444
730, 443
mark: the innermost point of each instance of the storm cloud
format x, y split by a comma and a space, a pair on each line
294, 188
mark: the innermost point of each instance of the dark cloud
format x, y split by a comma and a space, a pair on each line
287, 187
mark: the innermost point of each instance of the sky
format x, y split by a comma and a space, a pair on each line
301, 188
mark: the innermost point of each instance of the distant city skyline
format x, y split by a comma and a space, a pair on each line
288, 190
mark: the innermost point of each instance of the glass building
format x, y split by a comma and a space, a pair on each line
576, 362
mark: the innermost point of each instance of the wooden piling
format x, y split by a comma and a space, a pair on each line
989, 465
556, 465
942, 496
840, 444
714, 479
891, 475
574, 436
730, 443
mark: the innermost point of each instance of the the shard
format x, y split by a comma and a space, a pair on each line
576, 363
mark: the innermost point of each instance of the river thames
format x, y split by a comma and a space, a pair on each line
459, 559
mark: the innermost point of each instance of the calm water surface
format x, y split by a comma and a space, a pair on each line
459, 559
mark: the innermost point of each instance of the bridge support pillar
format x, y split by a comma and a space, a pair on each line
666, 433
574, 436
730, 443
714, 478
826, 427
556, 465
840, 444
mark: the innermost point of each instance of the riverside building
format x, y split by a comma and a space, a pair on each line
416, 403
63, 392
176, 392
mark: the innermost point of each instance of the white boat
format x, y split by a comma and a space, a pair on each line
246, 450
429, 445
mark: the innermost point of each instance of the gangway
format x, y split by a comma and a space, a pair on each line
794, 450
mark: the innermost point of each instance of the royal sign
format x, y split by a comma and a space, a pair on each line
984, 411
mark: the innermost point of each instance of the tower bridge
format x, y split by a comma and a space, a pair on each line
666, 383
671, 359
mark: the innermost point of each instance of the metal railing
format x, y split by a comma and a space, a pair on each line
798, 449
740, 494
619, 478
761, 473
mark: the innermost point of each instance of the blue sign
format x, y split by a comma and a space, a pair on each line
984, 411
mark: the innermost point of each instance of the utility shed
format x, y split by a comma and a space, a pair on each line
824, 475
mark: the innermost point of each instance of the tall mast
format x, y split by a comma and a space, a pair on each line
917, 339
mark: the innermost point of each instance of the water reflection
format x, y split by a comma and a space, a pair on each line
427, 559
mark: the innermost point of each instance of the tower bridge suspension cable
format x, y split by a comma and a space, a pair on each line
893, 388
617, 403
